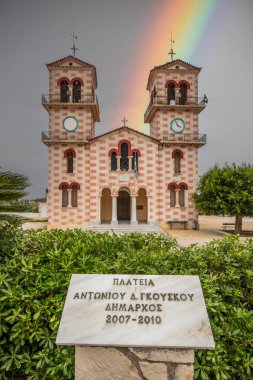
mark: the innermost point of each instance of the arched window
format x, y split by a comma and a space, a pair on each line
70, 162
172, 195
64, 91
171, 92
177, 163
124, 162
135, 161
183, 93
182, 196
65, 198
114, 161
74, 196
76, 91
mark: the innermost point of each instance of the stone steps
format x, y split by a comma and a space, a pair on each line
120, 229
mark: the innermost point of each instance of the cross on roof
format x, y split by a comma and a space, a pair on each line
124, 121
74, 48
171, 52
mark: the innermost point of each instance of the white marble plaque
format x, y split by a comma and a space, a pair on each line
124, 177
135, 311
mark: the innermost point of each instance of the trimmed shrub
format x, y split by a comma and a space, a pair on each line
36, 270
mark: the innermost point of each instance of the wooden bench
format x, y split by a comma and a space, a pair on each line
225, 225
172, 222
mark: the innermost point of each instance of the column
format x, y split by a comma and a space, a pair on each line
177, 198
133, 211
69, 198
114, 210
148, 213
98, 221
118, 162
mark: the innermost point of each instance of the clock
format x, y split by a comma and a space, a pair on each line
177, 125
70, 123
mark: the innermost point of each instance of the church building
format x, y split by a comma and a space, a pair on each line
122, 175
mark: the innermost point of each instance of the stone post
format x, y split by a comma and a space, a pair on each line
106, 316
133, 363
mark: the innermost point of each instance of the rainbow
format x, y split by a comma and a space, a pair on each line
189, 21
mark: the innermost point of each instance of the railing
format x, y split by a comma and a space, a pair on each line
80, 136
178, 101
57, 98
185, 137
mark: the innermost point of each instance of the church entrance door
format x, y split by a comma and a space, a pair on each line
106, 206
123, 205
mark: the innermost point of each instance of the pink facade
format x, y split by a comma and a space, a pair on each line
122, 174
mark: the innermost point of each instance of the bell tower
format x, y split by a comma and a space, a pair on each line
73, 110
173, 117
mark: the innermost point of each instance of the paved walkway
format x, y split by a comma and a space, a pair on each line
210, 228
186, 238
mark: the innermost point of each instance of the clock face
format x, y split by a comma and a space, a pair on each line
177, 125
70, 123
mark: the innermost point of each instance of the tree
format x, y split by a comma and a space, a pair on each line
12, 188
226, 191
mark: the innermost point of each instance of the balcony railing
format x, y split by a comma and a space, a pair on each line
67, 136
178, 101
187, 138
57, 98
84, 100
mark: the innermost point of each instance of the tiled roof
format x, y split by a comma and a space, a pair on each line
72, 59
124, 129
167, 64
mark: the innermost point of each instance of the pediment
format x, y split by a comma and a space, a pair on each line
130, 131
68, 61
178, 64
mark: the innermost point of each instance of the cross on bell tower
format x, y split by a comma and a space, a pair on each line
124, 121
74, 48
171, 52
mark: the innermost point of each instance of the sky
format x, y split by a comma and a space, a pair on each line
124, 40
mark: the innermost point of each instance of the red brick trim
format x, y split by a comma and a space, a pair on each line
128, 143
136, 151
184, 185
177, 151
69, 151
76, 78
113, 151
118, 151
171, 81
185, 82
61, 79
63, 184
172, 184
74, 184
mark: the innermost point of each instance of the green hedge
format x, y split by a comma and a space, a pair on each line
36, 268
